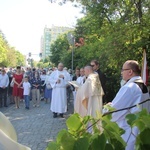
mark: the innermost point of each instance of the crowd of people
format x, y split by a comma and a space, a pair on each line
24, 84
87, 86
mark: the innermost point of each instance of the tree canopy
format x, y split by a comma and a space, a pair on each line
113, 32
9, 55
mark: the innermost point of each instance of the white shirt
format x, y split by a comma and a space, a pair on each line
47, 81
26, 87
43, 77
80, 79
130, 94
4, 80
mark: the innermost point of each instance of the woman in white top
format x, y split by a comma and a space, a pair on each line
48, 88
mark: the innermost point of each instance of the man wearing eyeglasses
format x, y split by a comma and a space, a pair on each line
102, 77
133, 92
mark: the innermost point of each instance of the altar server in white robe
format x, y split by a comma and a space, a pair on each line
129, 94
59, 80
81, 78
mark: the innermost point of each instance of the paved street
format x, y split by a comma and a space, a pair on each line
35, 127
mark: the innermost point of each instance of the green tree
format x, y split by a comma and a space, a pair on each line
59, 49
3, 49
20, 58
9, 55
44, 63
113, 31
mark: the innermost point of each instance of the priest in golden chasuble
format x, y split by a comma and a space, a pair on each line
89, 95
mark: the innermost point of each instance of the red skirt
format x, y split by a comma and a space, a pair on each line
17, 91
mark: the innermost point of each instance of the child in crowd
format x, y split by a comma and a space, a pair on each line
26, 92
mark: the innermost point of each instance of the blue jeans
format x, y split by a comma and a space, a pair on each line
27, 100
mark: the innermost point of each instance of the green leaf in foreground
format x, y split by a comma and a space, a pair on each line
53, 146
81, 144
108, 147
98, 142
143, 142
74, 122
131, 118
67, 141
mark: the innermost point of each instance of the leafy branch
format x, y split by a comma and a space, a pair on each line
110, 112
78, 136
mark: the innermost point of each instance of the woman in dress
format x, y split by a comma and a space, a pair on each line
17, 90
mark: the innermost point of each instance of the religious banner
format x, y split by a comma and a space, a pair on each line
144, 73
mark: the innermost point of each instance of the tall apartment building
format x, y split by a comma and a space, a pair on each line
50, 35
45, 43
42, 45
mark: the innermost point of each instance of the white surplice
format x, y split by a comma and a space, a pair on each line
59, 97
80, 80
130, 94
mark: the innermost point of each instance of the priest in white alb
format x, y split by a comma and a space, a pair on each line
131, 93
89, 95
59, 80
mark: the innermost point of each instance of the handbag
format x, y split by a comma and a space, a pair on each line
48, 86
12, 84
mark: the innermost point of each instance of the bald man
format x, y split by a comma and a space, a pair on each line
89, 95
59, 80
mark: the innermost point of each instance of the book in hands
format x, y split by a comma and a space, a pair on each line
75, 84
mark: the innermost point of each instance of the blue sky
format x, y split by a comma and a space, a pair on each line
23, 21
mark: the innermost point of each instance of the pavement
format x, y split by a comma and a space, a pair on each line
35, 127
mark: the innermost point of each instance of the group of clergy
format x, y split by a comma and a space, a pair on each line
88, 99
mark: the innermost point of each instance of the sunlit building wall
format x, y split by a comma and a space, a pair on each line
50, 35
42, 46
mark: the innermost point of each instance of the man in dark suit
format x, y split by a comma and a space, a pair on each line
102, 77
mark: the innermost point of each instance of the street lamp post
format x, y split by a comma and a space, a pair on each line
71, 40
73, 52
